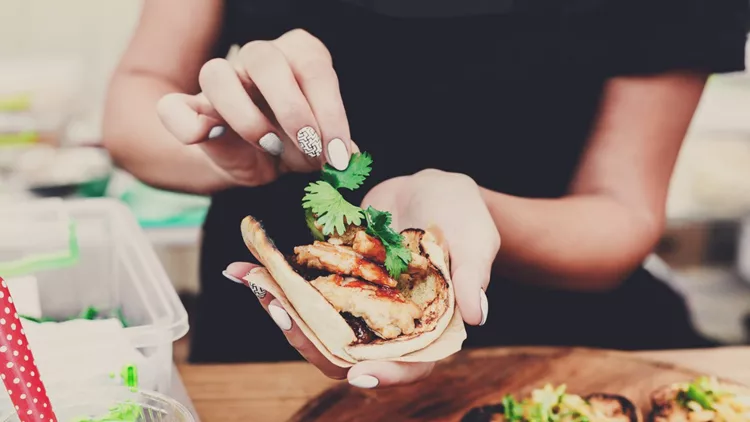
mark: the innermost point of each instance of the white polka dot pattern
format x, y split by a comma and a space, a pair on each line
21, 378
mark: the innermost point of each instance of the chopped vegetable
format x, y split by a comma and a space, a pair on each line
512, 409
699, 396
359, 168
127, 411
89, 313
333, 212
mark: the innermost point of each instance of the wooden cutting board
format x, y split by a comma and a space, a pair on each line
479, 378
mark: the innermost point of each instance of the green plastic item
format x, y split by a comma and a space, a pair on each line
18, 138
15, 103
90, 313
47, 261
123, 412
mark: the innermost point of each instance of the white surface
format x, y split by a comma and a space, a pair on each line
25, 292
117, 268
81, 355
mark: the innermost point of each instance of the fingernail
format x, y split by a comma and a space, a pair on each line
309, 141
483, 305
364, 381
279, 315
216, 131
272, 144
338, 156
233, 278
258, 291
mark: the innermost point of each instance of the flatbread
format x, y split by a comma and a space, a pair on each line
328, 330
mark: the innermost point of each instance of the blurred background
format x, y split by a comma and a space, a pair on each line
55, 60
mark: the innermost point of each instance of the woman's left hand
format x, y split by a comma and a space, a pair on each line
453, 203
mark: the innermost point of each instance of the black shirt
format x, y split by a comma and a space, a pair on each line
505, 91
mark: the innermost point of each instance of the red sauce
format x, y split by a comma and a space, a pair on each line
380, 291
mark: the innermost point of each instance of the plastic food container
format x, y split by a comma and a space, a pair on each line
92, 253
106, 404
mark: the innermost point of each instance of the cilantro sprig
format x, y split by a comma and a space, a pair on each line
332, 210
355, 174
325, 207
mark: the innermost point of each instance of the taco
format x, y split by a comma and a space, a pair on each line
550, 404
363, 290
343, 292
703, 400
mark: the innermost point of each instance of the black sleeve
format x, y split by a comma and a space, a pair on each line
667, 35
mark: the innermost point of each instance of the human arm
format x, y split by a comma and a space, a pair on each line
214, 115
614, 212
172, 41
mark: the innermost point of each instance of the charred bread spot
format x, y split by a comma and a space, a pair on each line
614, 406
413, 240
361, 330
484, 413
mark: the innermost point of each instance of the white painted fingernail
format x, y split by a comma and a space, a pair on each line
338, 156
483, 305
279, 315
364, 381
259, 292
231, 277
309, 142
272, 144
216, 131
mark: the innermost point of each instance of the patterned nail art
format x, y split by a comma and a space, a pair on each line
309, 142
260, 292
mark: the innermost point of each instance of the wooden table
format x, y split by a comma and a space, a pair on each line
274, 391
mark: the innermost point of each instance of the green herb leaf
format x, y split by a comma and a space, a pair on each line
512, 410
360, 165
397, 256
696, 394
333, 211
311, 224
397, 260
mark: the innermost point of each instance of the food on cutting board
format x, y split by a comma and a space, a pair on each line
555, 404
703, 400
365, 290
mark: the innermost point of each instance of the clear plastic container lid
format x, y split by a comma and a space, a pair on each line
36, 235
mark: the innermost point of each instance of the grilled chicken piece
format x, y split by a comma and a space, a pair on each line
387, 313
372, 248
342, 260
369, 247
347, 238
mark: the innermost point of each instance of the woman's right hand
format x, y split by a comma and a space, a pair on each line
276, 109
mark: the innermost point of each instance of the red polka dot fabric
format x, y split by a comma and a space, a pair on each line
17, 368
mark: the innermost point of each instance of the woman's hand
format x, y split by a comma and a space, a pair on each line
276, 109
449, 201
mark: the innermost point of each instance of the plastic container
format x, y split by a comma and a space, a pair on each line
109, 264
96, 405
